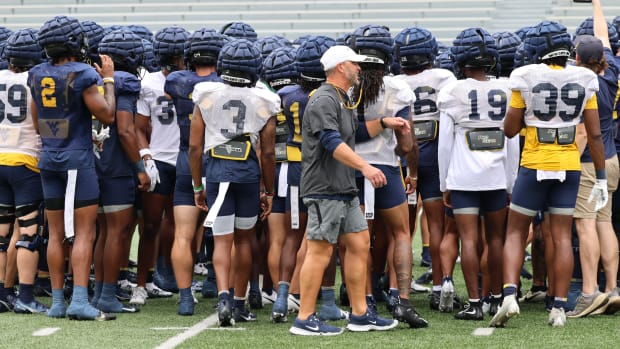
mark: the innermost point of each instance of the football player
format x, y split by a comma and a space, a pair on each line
20, 183
203, 48
549, 97
471, 143
65, 95
228, 120
384, 134
155, 121
417, 50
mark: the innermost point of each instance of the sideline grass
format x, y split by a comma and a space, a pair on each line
136, 331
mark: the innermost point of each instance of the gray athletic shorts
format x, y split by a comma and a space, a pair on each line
327, 219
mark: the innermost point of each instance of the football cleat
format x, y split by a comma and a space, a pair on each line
126, 285
509, 309
224, 311
154, 291
242, 314
557, 317
280, 309
314, 327
332, 313
33, 307
293, 304
42, 287
586, 305
255, 299
201, 269
446, 297
533, 296
407, 314
87, 312
269, 298
138, 296
472, 311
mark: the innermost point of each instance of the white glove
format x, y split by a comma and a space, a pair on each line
599, 193
98, 138
152, 172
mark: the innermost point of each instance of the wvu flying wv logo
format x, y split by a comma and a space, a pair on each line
54, 128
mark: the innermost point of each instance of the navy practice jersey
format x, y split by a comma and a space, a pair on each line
63, 118
294, 100
179, 86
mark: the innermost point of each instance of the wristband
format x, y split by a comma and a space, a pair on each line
199, 189
381, 122
268, 193
145, 151
413, 178
139, 165
108, 80
600, 174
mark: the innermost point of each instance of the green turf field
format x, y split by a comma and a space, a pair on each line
158, 322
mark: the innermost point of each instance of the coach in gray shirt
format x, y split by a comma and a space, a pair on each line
328, 189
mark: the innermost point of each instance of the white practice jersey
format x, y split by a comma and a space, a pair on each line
17, 132
153, 103
426, 86
554, 97
394, 97
468, 105
230, 111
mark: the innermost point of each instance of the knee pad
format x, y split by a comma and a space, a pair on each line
26, 209
31, 243
4, 242
25, 223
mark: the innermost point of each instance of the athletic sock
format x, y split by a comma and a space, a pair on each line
509, 290
25, 293
328, 295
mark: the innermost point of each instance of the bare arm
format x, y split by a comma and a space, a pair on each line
268, 163
102, 107
196, 145
513, 123
595, 140
35, 116
600, 24
127, 137
142, 124
348, 157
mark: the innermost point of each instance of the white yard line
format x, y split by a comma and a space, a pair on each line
483, 331
168, 328
45, 331
189, 333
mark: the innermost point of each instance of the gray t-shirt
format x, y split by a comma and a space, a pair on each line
322, 175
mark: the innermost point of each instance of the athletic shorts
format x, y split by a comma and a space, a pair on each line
388, 196
428, 183
530, 196
167, 178
278, 205
585, 209
183, 188
19, 186
55, 186
239, 209
117, 193
475, 202
328, 219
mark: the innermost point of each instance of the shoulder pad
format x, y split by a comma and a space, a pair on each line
203, 89
126, 83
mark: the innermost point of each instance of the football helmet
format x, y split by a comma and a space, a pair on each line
587, 28
94, 34
279, 67
239, 63
474, 48
374, 41
150, 62
142, 31
415, 48
203, 47
239, 30
4, 34
522, 32
308, 60
343, 39
269, 43
125, 48
507, 43
63, 36
22, 49
522, 57
445, 60
547, 40
169, 43
300, 40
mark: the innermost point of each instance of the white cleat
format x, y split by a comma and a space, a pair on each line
509, 309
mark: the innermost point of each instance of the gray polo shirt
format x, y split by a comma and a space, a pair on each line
322, 176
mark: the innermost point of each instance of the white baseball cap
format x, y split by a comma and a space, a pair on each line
339, 54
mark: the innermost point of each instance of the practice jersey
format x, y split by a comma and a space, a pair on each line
19, 142
394, 97
179, 85
64, 120
113, 161
554, 97
426, 86
230, 112
472, 117
294, 100
153, 103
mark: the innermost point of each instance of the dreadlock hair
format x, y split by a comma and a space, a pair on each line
371, 78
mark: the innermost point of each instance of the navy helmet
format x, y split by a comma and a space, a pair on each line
474, 48
203, 47
22, 49
150, 63
587, 28
142, 31
507, 43
63, 36
168, 44
279, 67
239, 30
94, 34
125, 48
308, 61
239, 63
547, 40
269, 43
375, 42
415, 48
